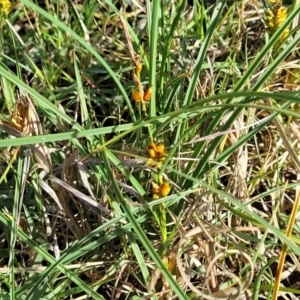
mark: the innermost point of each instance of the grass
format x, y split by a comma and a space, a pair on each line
149, 150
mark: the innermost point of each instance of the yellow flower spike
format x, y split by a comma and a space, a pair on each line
155, 188
281, 16
160, 150
160, 191
136, 96
148, 94
151, 153
138, 69
152, 146
156, 155
4, 7
165, 189
150, 162
277, 3
274, 18
153, 163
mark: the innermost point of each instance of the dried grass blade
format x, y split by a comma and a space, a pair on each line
131, 191
10, 129
72, 224
32, 124
55, 246
41, 155
26, 167
83, 176
95, 206
128, 38
47, 222
26, 118
13, 158
283, 253
34, 127
287, 144
50, 192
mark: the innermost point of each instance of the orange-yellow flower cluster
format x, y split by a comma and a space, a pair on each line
4, 7
160, 191
275, 17
137, 96
138, 93
156, 155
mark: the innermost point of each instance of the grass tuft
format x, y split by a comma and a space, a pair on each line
149, 150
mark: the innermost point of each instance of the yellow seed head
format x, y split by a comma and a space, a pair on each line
4, 7
281, 16
274, 19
